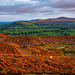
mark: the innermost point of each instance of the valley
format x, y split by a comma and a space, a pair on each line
38, 32
38, 47
50, 27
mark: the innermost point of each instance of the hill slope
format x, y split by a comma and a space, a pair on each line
38, 41
23, 55
61, 22
36, 65
20, 24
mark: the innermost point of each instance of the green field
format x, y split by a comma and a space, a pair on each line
49, 27
38, 32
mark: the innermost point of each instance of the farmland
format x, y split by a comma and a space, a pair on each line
39, 32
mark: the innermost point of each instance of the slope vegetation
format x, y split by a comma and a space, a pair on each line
38, 41
37, 51
23, 55
28, 64
8, 49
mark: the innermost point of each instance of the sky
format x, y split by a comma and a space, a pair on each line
14, 10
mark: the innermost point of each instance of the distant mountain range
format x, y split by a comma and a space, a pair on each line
61, 22
65, 18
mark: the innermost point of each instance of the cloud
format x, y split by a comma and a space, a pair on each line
15, 7
17, 2
65, 4
27, 1
31, 9
6, 2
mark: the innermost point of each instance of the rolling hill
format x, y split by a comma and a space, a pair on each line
61, 22
62, 26
20, 24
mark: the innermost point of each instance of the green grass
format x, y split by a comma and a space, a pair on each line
38, 32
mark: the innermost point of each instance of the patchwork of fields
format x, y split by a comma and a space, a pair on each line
39, 32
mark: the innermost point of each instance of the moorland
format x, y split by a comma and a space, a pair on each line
38, 47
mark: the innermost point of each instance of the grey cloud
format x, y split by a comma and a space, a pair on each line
14, 7
22, 9
39, 9
65, 4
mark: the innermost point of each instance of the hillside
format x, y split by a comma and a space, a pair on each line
36, 65
61, 26
38, 41
22, 55
20, 24
7, 48
61, 22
